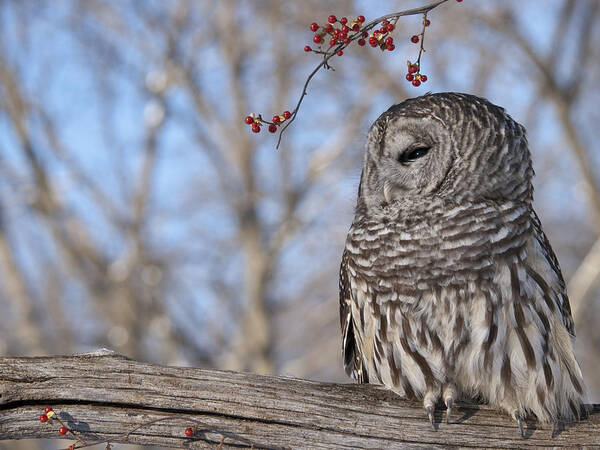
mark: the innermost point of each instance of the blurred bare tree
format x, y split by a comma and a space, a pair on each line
169, 236
138, 213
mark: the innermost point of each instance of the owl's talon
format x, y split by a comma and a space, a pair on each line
430, 411
519, 420
449, 396
449, 402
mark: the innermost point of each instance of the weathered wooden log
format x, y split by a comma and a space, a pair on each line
103, 396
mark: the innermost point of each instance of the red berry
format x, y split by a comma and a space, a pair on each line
383, 30
427, 22
414, 39
364, 34
413, 68
47, 409
377, 32
391, 47
385, 23
372, 41
332, 19
189, 432
361, 42
317, 39
459, 1
43, 418
307, 48
389, 40
249, 120
423, 78
390, 27
347, 41
287, 115
256, 128
345, 28
314, 26
62, 430
343, 21
272, 128
410, 76
336, 33
340, 53
276, 119
328, 27
355, 27
332, 42
71, 447
361, 19
416, 83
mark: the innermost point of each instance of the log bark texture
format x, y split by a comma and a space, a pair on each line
104, 396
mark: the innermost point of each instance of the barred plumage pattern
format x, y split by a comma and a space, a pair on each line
448, 286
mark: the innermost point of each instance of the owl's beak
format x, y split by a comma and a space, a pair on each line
390, 191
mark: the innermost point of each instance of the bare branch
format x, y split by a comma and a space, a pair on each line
584, 280
103, 397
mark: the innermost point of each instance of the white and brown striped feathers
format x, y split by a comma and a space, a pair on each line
448, 286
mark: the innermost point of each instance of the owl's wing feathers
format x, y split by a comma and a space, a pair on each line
353, 363
550, 257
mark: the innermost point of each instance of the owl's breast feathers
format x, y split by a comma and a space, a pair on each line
470, 295
444, 246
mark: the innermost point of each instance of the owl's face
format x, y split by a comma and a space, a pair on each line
450, 146
406, 160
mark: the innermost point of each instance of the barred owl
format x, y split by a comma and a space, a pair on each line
448, 286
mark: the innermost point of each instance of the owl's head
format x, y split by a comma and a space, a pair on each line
448, 146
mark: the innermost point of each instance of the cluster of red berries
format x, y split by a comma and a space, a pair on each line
256, 121
49, 414
381, 37
335, 36
414, 76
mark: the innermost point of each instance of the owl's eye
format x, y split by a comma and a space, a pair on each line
412, 154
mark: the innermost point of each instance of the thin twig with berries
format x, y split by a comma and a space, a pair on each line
49, 415
199, 429
414, 74
339, 39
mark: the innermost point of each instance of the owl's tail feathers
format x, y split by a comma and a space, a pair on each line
353, 363
569, 389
